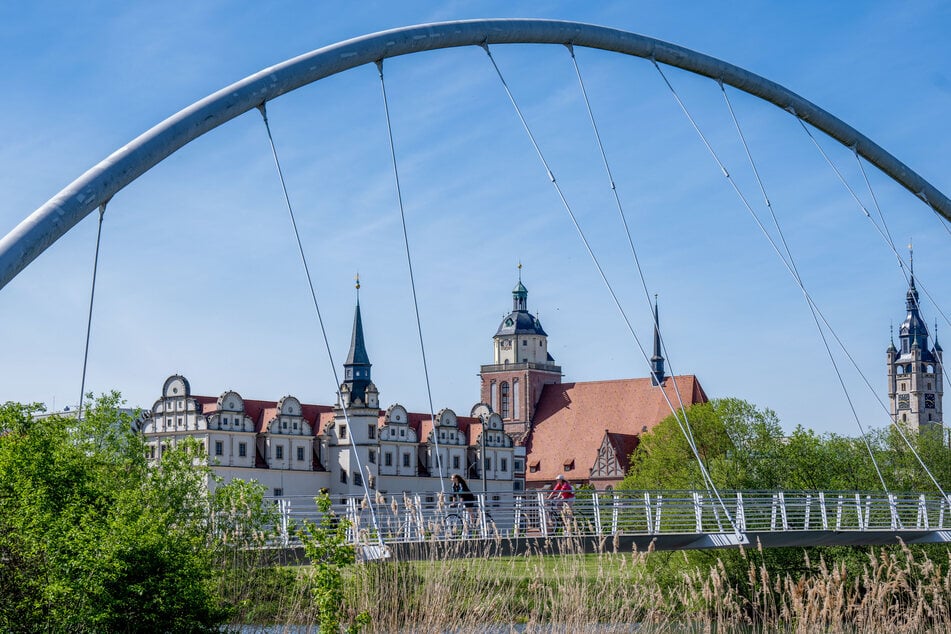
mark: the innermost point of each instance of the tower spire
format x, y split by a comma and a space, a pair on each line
657, 361
357, 366
911, 260
520, 294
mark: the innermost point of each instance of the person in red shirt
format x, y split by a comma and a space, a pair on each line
562, 496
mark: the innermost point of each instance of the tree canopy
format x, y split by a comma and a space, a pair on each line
744, 447
93, 538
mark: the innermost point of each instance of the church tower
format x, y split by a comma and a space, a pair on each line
521, 365
353, 433
915, 381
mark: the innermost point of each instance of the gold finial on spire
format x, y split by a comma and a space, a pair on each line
357, 278
520, 270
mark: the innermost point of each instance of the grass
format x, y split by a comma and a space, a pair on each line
895, 589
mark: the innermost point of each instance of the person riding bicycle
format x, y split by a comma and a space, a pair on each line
462, 494
562, 496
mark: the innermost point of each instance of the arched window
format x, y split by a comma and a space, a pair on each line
504, 396
515, 399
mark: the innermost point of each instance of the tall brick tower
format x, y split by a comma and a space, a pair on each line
521, 367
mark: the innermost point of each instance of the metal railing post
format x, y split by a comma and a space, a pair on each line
822, 510
647, 510
483, 524
805, 520
542, 513
516, 526
354, 520
420, 521
923, 521
615, 515
698, 510
782, 511
596, 506
740, 512
285, 506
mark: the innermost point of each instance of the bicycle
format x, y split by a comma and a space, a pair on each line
457, 519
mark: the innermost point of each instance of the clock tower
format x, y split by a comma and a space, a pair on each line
521, 365
915, 381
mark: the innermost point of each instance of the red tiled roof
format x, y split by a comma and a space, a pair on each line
422, 424
267, 415
571, 419
261, 412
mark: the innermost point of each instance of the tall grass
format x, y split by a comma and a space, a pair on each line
558, 588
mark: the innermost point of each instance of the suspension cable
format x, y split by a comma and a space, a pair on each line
323, 331
551, 177
901, 263
749, 208
816, 313
908, 278
627, 230
92, 295
871, 192
891, 245
412, 280
790, 264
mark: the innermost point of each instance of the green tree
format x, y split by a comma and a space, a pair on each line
330, 553
739, 444
94, 539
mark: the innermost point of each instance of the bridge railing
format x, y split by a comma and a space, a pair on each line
416, 517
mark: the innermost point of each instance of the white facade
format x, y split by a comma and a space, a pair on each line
295, 449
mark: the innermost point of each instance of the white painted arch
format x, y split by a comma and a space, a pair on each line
100, 183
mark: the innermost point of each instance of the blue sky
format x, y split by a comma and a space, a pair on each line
199, 272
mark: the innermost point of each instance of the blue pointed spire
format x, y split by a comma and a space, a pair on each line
657, 361
357, 366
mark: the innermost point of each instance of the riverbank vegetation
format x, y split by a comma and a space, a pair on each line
898, 590
93, 539
745, 448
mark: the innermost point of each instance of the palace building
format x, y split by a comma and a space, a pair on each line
297, 449
915, 381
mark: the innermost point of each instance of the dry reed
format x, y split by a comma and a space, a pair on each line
556, 587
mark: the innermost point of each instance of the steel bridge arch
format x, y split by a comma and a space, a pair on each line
100, 183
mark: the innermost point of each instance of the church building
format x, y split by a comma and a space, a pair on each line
585, 431
915, 381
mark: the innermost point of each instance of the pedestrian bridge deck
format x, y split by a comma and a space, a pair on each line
660, 520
